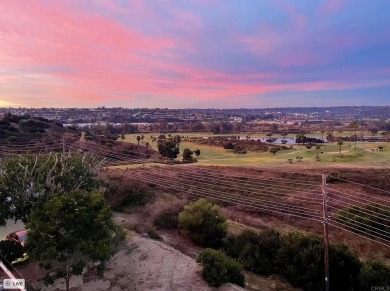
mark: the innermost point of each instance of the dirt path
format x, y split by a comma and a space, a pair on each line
143, 264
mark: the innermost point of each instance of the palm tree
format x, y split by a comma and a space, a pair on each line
147, 147
322, 135
354, 125
318, 148
340, 143
138, 140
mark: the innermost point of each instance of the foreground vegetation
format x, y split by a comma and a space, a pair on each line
298, 258
59, 197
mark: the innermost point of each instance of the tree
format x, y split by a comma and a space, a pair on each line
374, 131
11, 250
238, 150
329, 136
69, 232
138, 140
28, 181
219, 269
228, 146
373, 274
203, 222
340, 143
187, 155
322, 135
197, 152
318, 149
177, 140
147, 145
168, 148
274, 150
300, 139
354, 125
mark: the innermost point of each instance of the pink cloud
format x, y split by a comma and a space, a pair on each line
61, 51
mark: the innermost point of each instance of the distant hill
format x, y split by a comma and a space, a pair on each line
23, 134
25, 130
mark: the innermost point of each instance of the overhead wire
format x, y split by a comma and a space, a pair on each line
231, 199
154, 178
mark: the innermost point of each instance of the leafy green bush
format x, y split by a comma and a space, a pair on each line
219, 269
301, 261
344, 267
255, 251
296, 257
373, 274
204, 223
11, 250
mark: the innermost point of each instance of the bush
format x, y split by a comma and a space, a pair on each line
11, 250
187, 155
154, 235
301, 261
334, 177
124, 194
255, 251
167, 219
344, 267
298, 258
219, 269
373, 274
204, 223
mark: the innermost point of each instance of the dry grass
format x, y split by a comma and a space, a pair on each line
182, 181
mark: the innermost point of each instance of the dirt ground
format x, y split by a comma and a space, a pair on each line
139, 264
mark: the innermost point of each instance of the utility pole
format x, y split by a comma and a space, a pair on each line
326, 237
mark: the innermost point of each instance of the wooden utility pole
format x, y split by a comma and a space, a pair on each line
326, 238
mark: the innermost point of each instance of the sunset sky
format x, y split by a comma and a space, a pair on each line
194, 53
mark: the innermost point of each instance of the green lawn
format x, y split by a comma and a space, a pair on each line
211, 155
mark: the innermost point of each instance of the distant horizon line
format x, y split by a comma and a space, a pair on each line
192, 108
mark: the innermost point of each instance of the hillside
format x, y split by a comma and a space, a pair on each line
21, 129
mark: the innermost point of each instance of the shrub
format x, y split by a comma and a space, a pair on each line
154, 235
301, 261
167, 219
298, 258
373, 274
187, 154
228, 146
344, 267
204, 223
219, 269
334, 177
126, 194
10, 250
255, 251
